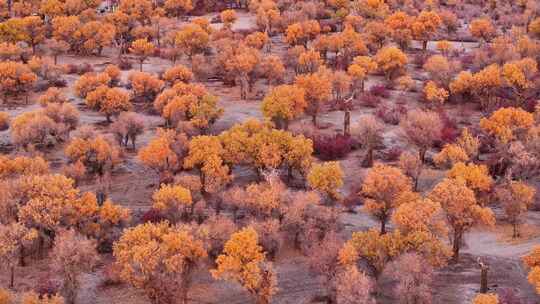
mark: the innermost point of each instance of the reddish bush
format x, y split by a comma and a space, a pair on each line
449, 131
449, 134
420, 59
392, 154
332, 147
152, 216
379, 91
351, 201
111, 276
509, 296
369, 100
391, 115
467, 60
79, 69
124, 64
46, 286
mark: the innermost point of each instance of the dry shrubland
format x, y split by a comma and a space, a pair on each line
349, 152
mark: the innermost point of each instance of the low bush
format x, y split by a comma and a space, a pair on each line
379, 91
332, 147
369, 100
390, 115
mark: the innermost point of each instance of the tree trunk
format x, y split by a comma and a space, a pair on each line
456, 246
347, 123
484, 279
22, 254
383, 226
368, 161
422, 154
140, 66
12, 277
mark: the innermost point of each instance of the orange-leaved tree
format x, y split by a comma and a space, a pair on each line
243, 261
382, 189
461, 210
283, 104
109, 101
143, 49
160, 260
326, 178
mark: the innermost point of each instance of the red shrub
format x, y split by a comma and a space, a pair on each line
332, 147
110, 277
379, 91
392, 154
449, 131
124, 64
369, 100
390, 115
420, 58
152, 216
46, 286
467, 60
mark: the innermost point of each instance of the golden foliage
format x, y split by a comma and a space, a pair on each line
460, 208
476, 177
52, 95
488, 298
177, 8
434, 93
159, 259
228, 17
109, 101
482, 28
507, 124
327, 178
174, 201
191, 39
382, 188
302, 32
90, 82
400, 24
243, 262
160, 155
145, 86
390, 60
22, 165
96, 153
15, 79
178, 73
468, 143
425, 25
284, 103
450, 155
532, 260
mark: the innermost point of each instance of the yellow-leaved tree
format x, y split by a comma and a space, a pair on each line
507, 124
461, 209
174, 201
382, 189
243, 261
532, 261
326, 178
159, 260
488, 298
283, 104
